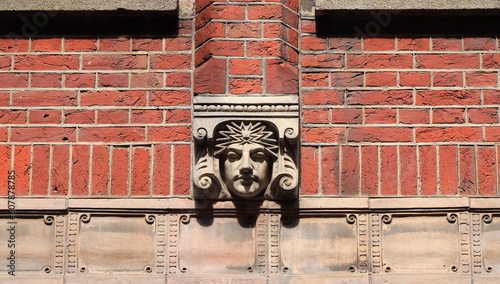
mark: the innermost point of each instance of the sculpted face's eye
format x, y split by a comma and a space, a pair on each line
259, 156
233, 156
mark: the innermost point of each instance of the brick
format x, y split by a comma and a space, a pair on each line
44, 98
114, 44
46, 80
146, 80
481, 79
323, 134
22, 167
389, 170
428, 170
384, 115
379, 44
380, 61
161, 170
46, 62
169, 133
14, 45
48, 116
349, 183
220, 12
346, 115
346, 79
314, 43
447, 61
414, 79
210, 31
384, 97
448, 166
113, 80
43, 134
149, 116
171, 61
323, 97
147, 44
414, 116
448, 115
491, 97
369, 170
178, 116
8, 116
484, 43
282, 78
13, 80
80, 170
78, 116
245, 67
330, 166
446, 44
264, 48
381, 79
46, 44
211, 77
140, 172
120, 171
219, 48
5, 167
493, 134
448, 97
5, 62
416, 44
245, 86
486, 171
112, 134
100, 170
379, 134
60, 170
113, 98
179, 79
80, 80
408, 170
265, 12
309, 177
491, 60
112, 116
326, 60
315, 80
315, 115
170, 98
4, 98
80, 44
115, 62
41, 158
468, 184
244, 30
308, 26
182, 166
178, 44
273, 30
344, 43
448, 134
448, 79
483, 115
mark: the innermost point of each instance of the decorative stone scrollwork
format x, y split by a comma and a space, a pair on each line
244, 153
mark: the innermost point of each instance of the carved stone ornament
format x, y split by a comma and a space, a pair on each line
245, 149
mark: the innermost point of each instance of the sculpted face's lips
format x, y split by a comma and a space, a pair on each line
247, 180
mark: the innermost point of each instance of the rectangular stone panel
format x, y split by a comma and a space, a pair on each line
491, 243
87, 5
405, 4
216, 246
123, 244
420, 245
319, 245
33, 241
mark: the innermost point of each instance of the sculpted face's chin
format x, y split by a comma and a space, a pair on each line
246, 170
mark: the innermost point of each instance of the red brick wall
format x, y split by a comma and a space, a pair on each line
381, 116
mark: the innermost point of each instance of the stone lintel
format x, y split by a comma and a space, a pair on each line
354, 5
88, 5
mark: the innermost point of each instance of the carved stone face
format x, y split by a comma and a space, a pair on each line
246, 169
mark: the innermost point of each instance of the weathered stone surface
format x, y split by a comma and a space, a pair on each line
88, 5
405, 5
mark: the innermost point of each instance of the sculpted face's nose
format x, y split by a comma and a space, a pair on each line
245, 163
